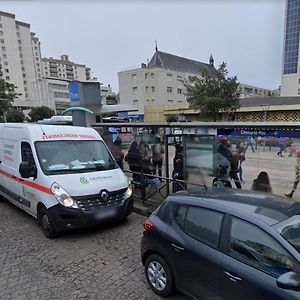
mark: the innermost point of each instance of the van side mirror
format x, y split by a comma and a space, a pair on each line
289, 281
27, 170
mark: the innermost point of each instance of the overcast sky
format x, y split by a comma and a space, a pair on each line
110, 36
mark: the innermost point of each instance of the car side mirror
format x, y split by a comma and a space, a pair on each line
289, 281
27, 170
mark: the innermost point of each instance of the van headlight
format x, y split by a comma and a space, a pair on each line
128, 193
62, 196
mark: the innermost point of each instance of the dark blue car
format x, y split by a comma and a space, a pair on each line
222, 243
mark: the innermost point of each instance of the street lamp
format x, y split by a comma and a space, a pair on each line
265, 109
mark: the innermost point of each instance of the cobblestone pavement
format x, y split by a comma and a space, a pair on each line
102, 263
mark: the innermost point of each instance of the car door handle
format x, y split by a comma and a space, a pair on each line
232, 277
177, 248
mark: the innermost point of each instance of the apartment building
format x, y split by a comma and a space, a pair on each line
20, 57
247, 90
160, 82
108, 96
65, 69
52, 89
290, 81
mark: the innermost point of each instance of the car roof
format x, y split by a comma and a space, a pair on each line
268, 208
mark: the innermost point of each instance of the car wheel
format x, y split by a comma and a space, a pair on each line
159, 276
46, 223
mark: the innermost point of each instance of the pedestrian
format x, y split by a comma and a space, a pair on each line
157, 157
262, 183
234, 168
250, 142
146, 158
134, 158
281, 146
178, 172
297, 176
116, 150
240, 148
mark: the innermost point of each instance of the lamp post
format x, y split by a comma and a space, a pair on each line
265, 109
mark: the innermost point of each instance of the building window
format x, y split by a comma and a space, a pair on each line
133, 77
298, 91
7, 77
0, 25
23, 69
179, 101
18, 34
61, 95
148, 100
2, 41
21, 55
3, 48
19, 42
4, 56
6, 71
20, 48
24, 82
23, 75
153, 100
179, 91
22, 62
5, 63
170, 100
1, 33
153, 89
146, 89
146, 75
169, 90
134, 90
152, 75
169, 77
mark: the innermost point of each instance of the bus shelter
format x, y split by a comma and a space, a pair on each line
255, 156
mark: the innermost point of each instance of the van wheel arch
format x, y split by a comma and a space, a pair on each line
46, 222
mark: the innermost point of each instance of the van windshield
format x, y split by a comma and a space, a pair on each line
65, 157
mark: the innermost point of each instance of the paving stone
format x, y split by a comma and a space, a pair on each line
98, 263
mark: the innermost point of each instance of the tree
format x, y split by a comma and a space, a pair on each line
7, 95
215, 92
40, 113
15, 116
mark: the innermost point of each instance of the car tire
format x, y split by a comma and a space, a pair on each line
159, 275
46, 222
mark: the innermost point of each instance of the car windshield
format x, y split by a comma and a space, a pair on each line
76, 156
290, 231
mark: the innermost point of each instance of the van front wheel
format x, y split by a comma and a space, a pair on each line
46, 223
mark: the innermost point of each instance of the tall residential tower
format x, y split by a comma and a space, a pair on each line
20, 56
290, 83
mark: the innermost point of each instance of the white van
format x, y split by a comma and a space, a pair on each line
62, 175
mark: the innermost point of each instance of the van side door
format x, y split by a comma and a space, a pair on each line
28, 197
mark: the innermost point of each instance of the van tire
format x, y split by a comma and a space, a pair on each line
46, 222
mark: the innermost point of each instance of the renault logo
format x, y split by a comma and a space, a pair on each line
104, 196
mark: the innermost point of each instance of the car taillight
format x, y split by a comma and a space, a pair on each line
148, 225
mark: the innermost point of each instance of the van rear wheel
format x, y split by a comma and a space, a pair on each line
46, 223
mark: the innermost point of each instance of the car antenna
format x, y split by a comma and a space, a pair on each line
42, 130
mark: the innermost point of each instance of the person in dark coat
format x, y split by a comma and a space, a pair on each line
134, 158
116, 150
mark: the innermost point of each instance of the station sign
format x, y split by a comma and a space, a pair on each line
259, 133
